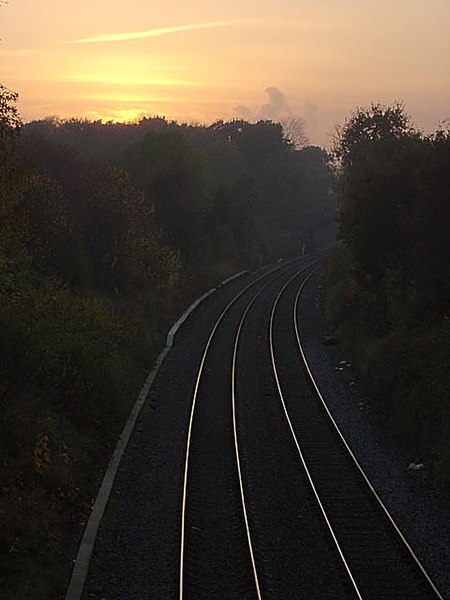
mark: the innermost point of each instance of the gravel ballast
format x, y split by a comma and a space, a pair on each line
420, 511
136, 553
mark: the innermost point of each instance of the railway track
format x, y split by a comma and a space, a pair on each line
377, 558
212, 488
273, 504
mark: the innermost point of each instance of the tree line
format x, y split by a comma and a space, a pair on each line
389, 285
106, 232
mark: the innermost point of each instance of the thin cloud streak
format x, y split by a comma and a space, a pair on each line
151, 33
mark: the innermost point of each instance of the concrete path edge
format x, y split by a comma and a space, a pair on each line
81, 564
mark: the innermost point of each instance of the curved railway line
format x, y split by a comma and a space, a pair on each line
228, 430
406, 548
274, 503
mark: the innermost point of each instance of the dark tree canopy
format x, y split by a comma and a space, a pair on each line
10, 121
395, 197
369, 125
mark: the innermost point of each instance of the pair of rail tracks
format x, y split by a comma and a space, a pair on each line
375, 558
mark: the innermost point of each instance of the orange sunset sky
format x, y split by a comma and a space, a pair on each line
200, 60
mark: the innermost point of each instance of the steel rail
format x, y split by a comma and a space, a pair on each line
355, 460
192, 412
235, 433
294, 436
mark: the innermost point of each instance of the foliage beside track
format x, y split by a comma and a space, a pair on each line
106, 232
388, 285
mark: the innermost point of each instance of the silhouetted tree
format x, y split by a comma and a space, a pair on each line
176, 182
294, 131
377, 152
395, 199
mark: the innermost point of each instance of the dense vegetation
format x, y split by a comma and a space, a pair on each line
388, 287
106, 232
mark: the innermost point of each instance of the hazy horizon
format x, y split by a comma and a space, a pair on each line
200, 63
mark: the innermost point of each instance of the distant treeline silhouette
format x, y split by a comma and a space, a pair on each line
106, 232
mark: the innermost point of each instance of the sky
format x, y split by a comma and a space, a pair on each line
199, 61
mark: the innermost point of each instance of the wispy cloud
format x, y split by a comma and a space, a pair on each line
277, 105
158, 32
